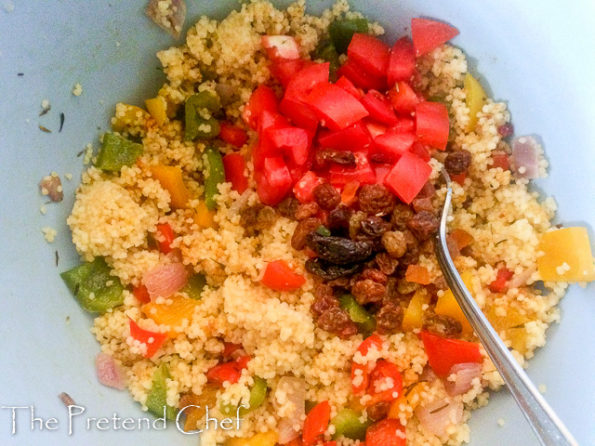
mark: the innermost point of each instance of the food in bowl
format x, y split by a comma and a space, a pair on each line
257, 239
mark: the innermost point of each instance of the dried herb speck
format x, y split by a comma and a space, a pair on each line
62, 117
57, 256
66, 399
439, 409
78, 155
45, 110
44, 129
20, 74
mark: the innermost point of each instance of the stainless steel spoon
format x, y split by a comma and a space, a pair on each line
545, 423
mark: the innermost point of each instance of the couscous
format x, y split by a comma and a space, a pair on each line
260, 234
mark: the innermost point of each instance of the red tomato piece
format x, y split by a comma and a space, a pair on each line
384, 373
390, 146
151, 339
335, 106
401, 63
300, 113
235, 166
358, 386
502, 277
166, 237
379, 107
348, 86
420, 150
362, 172
403, 98
141, 293
263, 98
404, 125
232, 134
276, 172
304, 81
280, 277
387, 432
280, 47
443, 353
430, 34
304, 187
284, 70
374, 128
293, 141
432, 124
354, 137
316, 422
360, 78
407, 177
370, 53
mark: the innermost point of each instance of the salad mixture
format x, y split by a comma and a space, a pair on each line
260, 233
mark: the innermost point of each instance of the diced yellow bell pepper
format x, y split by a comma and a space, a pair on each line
567, 256
261, 439
413, 317
158, 109
518, 339
204, 217
474, 98
170, 178
128, 116
512, 318
447, 304
412, 399
171, 108
171, 314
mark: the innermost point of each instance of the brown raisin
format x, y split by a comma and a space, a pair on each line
326, 196
389, 318
303, 228
442, 325
339, 217
326, 157
374, 226
422, 204
401, 215
378, 411
306, 210
375, 199
336, 320
457, 162
288, 207
386, 263
395, 243
368, 291
424, 224
374, 274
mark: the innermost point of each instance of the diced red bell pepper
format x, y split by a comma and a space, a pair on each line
370, 53
293, 141
387, 432
303, 189
280, 277
443, 353
280, 47
404, 125
352, 71
304, 81
432, 124
362, 172
354, 137
348, 86
151, 339
166, 237
141, 293
359, 385
502, 277
401, 63
235, 166
284, 70
430, 34
374, 128
232, 134
403, 98
384, 371
500, 159
379, 107
228, 371
390, 146
300, 113
408, 177
335, 106
263, 98
420, 150
316, 423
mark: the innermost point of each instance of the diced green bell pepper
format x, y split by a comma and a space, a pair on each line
116, 152
341, 32
96, 290
195, 286
323, 230
214, 175
358, 314
197, 108
157, 398
347, 423
258, 394
327, 51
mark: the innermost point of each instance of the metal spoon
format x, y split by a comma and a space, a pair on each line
545, 423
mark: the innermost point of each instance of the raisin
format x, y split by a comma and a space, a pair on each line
389, 318
424, 224
386, 263
368, 291
374, 226
339, 250
457, 162
303, 228
325, 157
288, 207
422, 204
374, 274
339, 217
336, 320
329, 271
378, 411
326, 196
306, 210
401, 215
375, 199
395, 243
442, 325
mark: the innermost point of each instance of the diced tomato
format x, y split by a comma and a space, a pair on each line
228, 371
335, 106
348, 86
304, 81
274, 182
271, 120
243, 361
141, 293
500, 159
404, 125
360, 78
293, 141
387, 432
390, 146
316, 423
362, 172
166, 237
349, 193
420, 150
263, 98
232, 134
301, 114
408, 177
330, 443
379, 107
280, 47
358, 386
443, 353
403, 98
401, 63
460, 178
303, 189
354, 137
280, 277
432, 125
430, 34
381, 171
502, 277
374, 128
284, 70
370, 53
230, 348
151, 339
235, 166
385, 372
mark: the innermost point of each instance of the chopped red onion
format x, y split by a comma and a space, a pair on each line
165, 280
108, 372
464, 374
525, 156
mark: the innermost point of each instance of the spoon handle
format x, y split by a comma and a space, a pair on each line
545, 423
